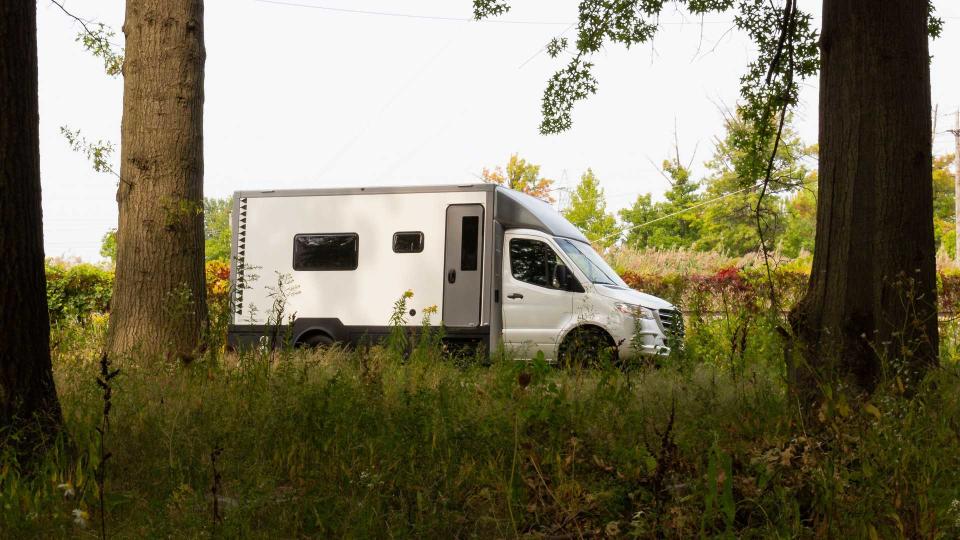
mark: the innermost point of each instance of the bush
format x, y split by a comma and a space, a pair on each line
75, 292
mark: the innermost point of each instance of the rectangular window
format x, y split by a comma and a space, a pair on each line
469, 242
407, 242
326, 251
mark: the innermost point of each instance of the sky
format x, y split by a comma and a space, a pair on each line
325, 93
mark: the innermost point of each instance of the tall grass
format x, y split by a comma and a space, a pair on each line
369, 443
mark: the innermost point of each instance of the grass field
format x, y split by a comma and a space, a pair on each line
371, 444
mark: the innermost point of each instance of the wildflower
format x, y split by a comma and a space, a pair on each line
431, 310
408, 293
80, 518
68, 491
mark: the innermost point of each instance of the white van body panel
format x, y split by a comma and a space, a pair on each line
361, 297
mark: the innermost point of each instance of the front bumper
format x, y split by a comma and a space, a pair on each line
644, 341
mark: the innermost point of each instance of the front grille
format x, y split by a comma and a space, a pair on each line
671, 320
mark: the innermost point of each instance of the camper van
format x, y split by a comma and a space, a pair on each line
497, 267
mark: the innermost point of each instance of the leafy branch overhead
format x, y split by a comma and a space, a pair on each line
786, 41
98, 153
98, 42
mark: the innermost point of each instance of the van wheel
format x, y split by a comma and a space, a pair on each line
314, 341
586, 347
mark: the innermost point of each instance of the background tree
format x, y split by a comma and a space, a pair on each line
216, 228
521, 176
944, 226
29, 409
679, 230
108, 246
159, 294
730, 224
588, 211
642, 211
800, 219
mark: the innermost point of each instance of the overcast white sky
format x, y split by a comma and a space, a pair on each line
306, 97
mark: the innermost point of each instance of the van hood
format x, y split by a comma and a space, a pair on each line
631, 296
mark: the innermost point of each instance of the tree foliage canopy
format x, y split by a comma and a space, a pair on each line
588, 211
521, 176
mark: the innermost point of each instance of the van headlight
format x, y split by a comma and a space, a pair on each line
635, 310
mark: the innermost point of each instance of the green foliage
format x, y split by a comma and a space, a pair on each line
398, 341
98, 153
216, 228
800, 221
97, 42
588, 211
730, 224
680, 230
943, 205
723, 217
108, 246
77, 292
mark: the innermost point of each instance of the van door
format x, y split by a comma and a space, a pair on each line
463, 265
536, 305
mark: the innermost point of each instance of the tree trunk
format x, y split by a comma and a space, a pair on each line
159, 299
28, 399
871, 302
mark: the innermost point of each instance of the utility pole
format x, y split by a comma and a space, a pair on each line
956, 184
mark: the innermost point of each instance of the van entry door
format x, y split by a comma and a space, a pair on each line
463, 265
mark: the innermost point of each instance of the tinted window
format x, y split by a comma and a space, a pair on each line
407, 242
469, 242
325, 251
532, 261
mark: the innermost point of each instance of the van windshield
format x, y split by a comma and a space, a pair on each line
590, 263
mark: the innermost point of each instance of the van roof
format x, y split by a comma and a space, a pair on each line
512, 208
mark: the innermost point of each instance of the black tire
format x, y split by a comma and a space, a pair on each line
586, 347
315, 341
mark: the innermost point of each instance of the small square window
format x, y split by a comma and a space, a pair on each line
408, 242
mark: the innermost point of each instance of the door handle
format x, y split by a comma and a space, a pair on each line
452, 275
516, 296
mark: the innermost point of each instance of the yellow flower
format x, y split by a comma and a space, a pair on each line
430, 310
408, 293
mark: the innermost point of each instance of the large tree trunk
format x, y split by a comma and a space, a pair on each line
28, 399
159, 299
872, 295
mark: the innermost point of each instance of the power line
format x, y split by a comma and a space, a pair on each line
446, 18
536, 54
661, 218
404, 15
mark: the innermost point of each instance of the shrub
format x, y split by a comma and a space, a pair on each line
75, 292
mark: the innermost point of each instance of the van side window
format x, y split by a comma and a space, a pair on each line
408, 242
326, 251
534, 262
469, 242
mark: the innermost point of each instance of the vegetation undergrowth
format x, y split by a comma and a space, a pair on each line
373, 443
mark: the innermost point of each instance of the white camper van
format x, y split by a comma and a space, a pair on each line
500, 266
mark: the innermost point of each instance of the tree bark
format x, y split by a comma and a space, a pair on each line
871, 304
159, 299
28, 399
